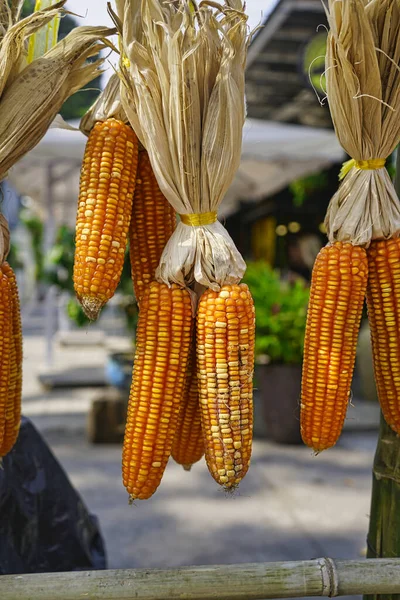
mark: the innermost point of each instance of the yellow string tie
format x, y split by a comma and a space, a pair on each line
365, 165
197, 220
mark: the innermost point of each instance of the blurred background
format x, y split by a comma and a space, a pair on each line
292, 505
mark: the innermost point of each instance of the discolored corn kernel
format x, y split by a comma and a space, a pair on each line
146, 446
333, 321
153, 222
104, 212
226, 391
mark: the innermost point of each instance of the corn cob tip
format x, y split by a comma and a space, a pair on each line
230, 489
187, 467
91, 307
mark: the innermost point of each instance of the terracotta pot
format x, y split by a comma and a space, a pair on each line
279, 399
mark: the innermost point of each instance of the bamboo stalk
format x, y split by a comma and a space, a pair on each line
384, 524
321, 577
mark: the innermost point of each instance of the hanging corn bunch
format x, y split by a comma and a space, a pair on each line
363, 222
182, 72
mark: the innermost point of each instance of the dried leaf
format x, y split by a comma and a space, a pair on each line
12, 46
16, 9
106, 106
30, 104
4, 239
9, 13
363, 85
183, 92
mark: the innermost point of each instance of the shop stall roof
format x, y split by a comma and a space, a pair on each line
273, 155
277, 87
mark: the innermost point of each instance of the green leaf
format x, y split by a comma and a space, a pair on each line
281, 310
46, 38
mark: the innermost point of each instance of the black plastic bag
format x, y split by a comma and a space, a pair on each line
44, 525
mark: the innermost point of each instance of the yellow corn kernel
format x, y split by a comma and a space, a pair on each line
383, 299
10, 360
337, 295
104, 212
188, 447
164, 332
13, 404
153, 222
225, 391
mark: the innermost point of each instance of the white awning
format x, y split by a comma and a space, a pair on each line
274, 154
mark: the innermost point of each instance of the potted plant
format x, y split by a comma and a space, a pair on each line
281, 308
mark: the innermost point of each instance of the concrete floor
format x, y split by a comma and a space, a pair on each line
291, 506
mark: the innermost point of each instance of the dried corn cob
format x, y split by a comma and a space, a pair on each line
163, 344
153, 222
104, 212
383, 298
12, 412
338, 289
225, 362
188, 446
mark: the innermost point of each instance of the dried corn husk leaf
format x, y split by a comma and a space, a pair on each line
363, 86
4, 239
183, 92
29, 105
107, 105
12, 47
10, 11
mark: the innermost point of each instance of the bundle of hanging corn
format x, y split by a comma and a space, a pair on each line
37, 75
363, 223
182, 71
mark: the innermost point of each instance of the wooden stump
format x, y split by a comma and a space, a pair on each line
106, 419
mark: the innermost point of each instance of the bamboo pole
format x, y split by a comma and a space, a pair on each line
384, 524
321, 577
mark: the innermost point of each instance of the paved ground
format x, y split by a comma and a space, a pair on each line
291, 506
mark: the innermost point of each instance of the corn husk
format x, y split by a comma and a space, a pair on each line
29, 105
4, 239
363, 88
10, 11
13, 43
182, 71
108, 105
